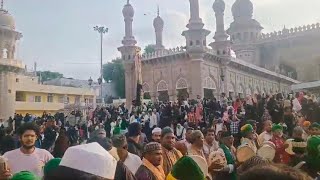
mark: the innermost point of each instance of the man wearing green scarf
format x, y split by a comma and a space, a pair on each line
226, 145
312, 165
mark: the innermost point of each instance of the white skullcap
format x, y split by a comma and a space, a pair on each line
156, 130
80, 158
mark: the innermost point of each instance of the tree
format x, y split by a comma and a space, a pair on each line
114, 71
149, 49
48, 75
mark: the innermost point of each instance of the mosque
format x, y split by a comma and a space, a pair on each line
241, 61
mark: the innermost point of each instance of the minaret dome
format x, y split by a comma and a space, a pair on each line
128, 11
158, 22
242, 9
219, 6
6, 19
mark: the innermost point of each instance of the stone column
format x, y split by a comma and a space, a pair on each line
194, 11
195, 76
1, 51
225, 79
129, 83
172, 94
7, 95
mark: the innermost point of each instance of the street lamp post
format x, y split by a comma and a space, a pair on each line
101, 30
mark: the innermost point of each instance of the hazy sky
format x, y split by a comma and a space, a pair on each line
59, 35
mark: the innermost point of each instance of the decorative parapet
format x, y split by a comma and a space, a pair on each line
211, 51
287, 33
163, 52
262, 70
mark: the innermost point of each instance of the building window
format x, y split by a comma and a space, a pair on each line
20, 96
191, 43
9, 91
37, 99
50, 98
60, 99
17, 79
77, 100
197, 42
238, 36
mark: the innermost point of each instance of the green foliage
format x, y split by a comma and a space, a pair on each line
48, 75
149, 49
114, 72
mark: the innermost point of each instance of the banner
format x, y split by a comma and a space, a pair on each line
138, 66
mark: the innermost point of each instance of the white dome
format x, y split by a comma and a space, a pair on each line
6, 20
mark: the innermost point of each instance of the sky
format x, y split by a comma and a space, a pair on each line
59, 35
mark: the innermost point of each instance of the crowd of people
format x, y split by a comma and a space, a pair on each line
257, 137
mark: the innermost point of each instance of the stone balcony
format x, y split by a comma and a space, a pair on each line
12, 63
31, 106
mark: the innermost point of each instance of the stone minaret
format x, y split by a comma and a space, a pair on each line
222, 45
219, 8
244, 31
10, 66
128, 51
196, 45
158, 27
195, 35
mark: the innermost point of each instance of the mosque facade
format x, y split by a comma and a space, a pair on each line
241, 61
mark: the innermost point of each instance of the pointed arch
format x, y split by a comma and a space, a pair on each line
162, 86
231, 87
249, 90
146, 87
181, 83
209, 83
240, 89
256, 90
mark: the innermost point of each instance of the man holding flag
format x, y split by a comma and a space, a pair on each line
137, 64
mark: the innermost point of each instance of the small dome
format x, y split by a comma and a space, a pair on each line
6, 20
219, 6
242, 9
158, 22
128, 10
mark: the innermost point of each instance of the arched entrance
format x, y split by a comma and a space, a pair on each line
162, 89
209, 88
146, 91
231, 90
248, 91
182, 89
240, 91
256, 90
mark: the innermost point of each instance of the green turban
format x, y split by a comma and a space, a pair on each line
313, 151
186, 169
116, 131
277, 127
245, 129
51, 165
25, 175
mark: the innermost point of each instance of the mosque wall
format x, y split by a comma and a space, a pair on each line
173, 74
